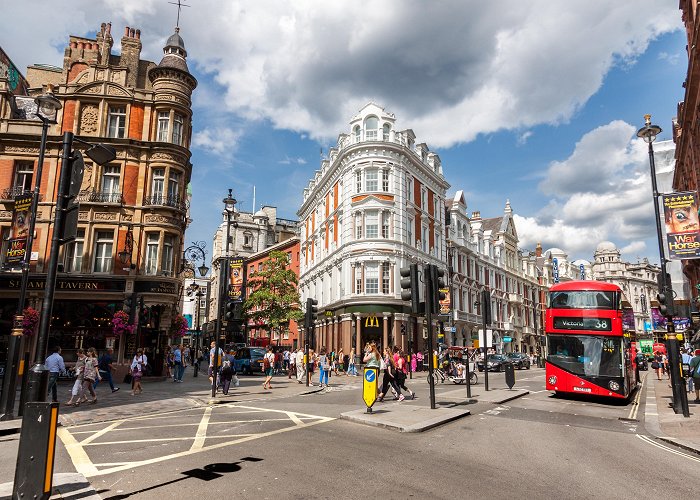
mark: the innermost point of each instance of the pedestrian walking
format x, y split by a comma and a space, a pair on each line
226, 373
414, 362
352, 368
339, 361
402, 373
301, 372
55, 365
138, 367
657, 364
695, 371
177, 360
419, 362
268, 365
90, 374
77, 390
196, 361
220, 354
104, 366
324, 368
389, 378
667, 370
686, 358
292, 366
372, 357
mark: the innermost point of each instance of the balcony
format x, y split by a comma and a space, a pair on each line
159, 200
515, 298
9, 194
103, 197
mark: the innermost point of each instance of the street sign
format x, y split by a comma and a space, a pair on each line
369, 387
507, 339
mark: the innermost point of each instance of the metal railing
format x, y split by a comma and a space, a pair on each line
100, 197
166, 201
11, 193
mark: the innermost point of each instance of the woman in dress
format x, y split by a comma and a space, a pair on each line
401, 373
413, 362
77, 391
90, 374
419, 361
269, 366
138, 365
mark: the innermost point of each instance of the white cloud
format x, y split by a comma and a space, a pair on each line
463, 68
633, 250
522, 138
296, 161
219, 141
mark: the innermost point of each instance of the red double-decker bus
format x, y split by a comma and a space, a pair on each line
588, 351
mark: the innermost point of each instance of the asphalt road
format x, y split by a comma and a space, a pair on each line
537, 446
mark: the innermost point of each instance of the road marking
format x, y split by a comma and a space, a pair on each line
97, 434
666, 448
85, 466
198, 442
635, 406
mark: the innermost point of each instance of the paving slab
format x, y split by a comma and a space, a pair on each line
65, 485
662, 422
405, 418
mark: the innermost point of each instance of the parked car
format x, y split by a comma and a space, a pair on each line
519, 360
494, 363
248, 360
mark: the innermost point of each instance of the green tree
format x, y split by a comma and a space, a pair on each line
275, 299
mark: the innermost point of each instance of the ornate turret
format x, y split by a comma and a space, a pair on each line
173, 66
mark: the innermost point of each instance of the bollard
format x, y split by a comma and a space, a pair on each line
510, 374
370, 377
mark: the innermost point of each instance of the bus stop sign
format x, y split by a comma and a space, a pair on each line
369, 387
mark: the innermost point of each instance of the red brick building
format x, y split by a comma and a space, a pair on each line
133, 211
259, 334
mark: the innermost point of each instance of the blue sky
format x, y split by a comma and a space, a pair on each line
536, 102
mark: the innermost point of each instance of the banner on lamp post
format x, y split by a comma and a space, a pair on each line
236, 279
682, 227
21, 217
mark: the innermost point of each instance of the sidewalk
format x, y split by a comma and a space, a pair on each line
664, 423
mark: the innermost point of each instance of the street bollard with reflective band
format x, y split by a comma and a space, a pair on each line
37, 448
509, 369
370, 377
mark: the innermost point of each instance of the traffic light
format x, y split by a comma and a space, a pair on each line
409, 286
230, 310
665, 298
69, 204
311, 311
437, 279
486, 306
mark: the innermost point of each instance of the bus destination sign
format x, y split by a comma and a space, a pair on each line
568, 323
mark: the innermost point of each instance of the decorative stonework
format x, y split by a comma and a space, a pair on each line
83, 78
5, 214
88, 122
16, 149
162, 156
87, 178
127, 217
113, 90
83, 215
100, 74
162, 219
105, 216
96, 89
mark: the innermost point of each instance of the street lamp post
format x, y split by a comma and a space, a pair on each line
680, 398
230, 209
47, 110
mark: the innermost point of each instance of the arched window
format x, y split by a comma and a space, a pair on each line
357, 132
371, 126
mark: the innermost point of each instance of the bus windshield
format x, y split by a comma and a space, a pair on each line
587, 355
582, 300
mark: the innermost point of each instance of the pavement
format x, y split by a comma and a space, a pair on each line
662, 422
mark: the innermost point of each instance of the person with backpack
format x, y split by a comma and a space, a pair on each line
268, 366
226, 373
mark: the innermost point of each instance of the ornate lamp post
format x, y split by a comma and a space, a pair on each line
680, 398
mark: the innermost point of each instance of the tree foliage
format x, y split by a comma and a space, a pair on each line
274, 299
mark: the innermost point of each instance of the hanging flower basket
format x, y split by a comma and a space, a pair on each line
179, 327
120, 324
30, 321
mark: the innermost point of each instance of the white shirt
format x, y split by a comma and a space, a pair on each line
139, 361
300, 357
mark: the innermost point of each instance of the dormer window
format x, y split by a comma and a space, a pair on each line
371, 126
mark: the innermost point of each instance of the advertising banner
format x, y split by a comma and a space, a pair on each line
628, 319
21, 217
445, 305
555, 270
682, 226
236, 283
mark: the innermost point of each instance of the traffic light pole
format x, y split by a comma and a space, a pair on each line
430, 291
39, 374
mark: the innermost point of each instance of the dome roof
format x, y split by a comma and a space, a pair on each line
554, 252
260, 214
606, 246
176, 40
174, 53
581, 261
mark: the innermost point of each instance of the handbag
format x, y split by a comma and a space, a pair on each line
128, 378
382, 364
654, 365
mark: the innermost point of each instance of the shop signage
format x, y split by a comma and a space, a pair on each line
162, 287
21, 218
236, 279
555, 270
65, 284
682, 226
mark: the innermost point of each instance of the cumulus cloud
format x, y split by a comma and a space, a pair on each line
602, 191
289, 161
219, 141
451, 72
522, 138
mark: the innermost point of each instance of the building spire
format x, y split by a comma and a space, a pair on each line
180, 5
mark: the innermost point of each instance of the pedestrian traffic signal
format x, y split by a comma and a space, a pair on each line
311, 311
409, 286
665, 298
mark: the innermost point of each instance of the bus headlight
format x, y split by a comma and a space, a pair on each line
552, 380
614, 386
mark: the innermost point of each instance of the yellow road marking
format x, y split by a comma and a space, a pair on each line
635, 407
201, 435
84, 466
666, 448
97, 434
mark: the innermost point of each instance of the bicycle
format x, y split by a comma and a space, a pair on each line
438, 373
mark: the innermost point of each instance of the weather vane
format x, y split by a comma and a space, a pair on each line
180, 5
